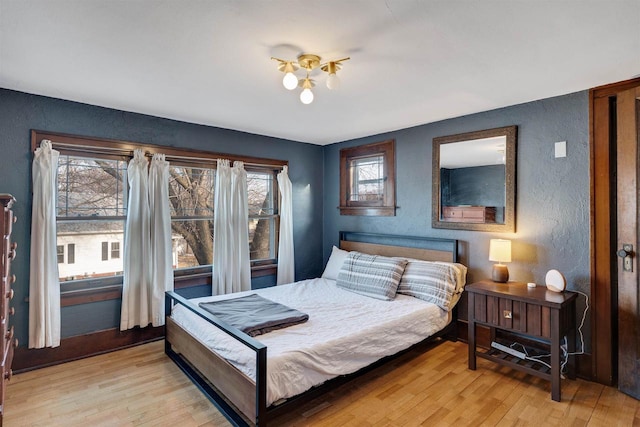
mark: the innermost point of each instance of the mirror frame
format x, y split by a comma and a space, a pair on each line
509, 225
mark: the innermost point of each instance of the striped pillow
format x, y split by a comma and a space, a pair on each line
430, 281
371, 275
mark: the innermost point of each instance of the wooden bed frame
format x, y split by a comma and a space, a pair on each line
243, 400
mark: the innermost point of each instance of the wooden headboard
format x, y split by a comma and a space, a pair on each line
424, 248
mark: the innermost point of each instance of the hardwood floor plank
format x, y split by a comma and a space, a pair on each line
140, 386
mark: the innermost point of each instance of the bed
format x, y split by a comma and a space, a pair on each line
233, 369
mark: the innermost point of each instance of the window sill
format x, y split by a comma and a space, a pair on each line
113, 291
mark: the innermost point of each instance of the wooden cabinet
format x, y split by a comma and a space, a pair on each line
8, 342
543, 315
473, 214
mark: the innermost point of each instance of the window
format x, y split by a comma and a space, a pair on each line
91, 209
115, 250
71, 253
261, 190
92, 206
191, 193
60, 251
367, 180
191, 198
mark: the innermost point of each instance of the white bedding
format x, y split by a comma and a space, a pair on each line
345, 332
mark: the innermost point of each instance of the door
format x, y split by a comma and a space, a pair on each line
627, 140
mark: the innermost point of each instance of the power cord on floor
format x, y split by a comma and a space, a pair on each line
563, 346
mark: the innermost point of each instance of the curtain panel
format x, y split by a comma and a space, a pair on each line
44, 285
286, 259
135, 309
148, 262
231, 265
161, 243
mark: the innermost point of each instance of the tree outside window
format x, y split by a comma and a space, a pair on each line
92, 204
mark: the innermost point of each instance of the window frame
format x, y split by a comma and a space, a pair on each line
114, 247
101, 288
386, 206
71, 253
105, 251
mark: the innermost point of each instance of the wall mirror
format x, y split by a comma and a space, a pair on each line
474, 178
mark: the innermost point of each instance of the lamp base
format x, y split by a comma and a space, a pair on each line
500, 273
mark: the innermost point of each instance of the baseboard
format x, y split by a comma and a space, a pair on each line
82, 346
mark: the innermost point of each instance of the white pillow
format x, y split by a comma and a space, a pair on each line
335, 263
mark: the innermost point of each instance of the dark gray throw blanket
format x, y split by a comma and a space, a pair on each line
254, 315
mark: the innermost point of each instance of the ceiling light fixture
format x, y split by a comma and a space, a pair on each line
309, 62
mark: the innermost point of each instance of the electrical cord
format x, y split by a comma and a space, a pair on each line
564, 346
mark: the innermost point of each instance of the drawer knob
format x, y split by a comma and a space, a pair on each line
8, 375
10, 294
507, 314
14, 246
16, 343
9, 334
12, 311
13, 279
15, 219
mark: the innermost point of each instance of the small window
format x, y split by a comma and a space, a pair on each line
71, 253
60, 250
115, 250
105, 251
367, 180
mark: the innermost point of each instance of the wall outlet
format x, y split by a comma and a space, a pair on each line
561, 149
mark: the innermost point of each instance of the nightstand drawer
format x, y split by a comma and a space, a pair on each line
508, 314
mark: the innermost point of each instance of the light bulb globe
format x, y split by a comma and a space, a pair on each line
333, 82
290, 81
306, 96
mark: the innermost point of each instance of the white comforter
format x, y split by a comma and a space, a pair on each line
345, 332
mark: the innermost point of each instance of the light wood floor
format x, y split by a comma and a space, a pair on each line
140, 386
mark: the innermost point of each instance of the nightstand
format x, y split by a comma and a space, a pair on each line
536, 313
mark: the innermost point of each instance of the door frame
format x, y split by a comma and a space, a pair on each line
604, 338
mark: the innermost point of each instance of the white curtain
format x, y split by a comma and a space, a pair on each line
231, 266
161, 244
286, 261
137, 251
44, 286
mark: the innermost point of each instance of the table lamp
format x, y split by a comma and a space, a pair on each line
500, 251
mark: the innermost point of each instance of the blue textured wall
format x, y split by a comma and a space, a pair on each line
552, 217
19, 113
552, 198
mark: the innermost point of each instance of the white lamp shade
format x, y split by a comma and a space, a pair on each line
500, 250
290, 81
306, 97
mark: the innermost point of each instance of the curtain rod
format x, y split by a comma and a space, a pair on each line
149, 153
